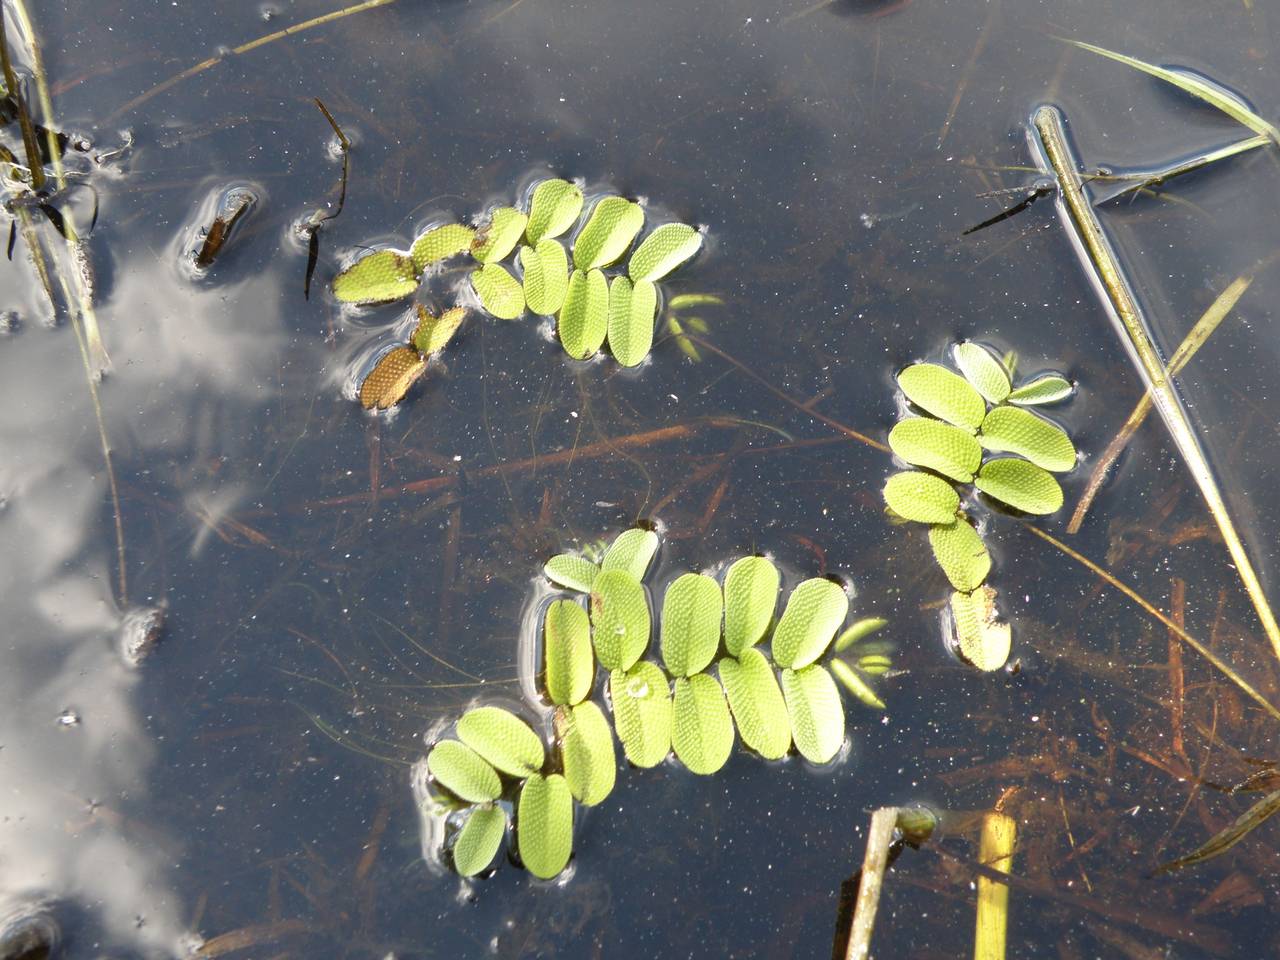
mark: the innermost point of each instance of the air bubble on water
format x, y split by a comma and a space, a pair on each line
68, 718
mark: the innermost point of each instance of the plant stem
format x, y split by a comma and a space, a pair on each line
874, 861
995, 850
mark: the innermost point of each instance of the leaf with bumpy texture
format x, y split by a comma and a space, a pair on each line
620, 623
691, 612
944, 394
613, 224
1020, 484
546, 276
391, 378
554, 208
925, 442
463, 772
586, 746
756, 703
478, 840
922, 497
701, 728
584, 317
663, 250
817, 715
632, 551
1047, 389
813, 614
544, 825
433, 334
503, 739
571, 571
641, 699
750, 597
979, 636
378, 277
1012, 430
961, 553
494, 241
440, 243
984, 371
500, 293
850, 680
567, 648
631, 315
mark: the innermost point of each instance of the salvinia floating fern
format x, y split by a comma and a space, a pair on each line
715, 679
967, 417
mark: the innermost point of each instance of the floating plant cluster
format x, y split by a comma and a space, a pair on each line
776, 700
590, 308
969, 417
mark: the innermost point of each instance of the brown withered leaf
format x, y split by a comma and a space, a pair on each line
391, 378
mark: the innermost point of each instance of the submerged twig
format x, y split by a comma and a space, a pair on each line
874, 862
312, 227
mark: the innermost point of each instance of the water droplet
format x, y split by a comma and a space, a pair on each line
68, 718
620, 630
637, 689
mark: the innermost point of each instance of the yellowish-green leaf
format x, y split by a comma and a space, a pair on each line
567, 649
691, 612
613, 224
756, 703
503, 739
817, 714
378, 277
620, 621
440, 243
875, 664
851, 681
544, 825
701, 728
750, 597
479, 839
944, 394
495, 240
586, 746
663, 250
584, 317
981, 368
682, 300
434, 333
1014, 430
546, 276
922, 497
631, 317
859, 630
979, 636
1020, 484
499, 292
641, 699
925, 442
463, 772
391, 378
554, 208
571, 571
632, 551
961, 553
1047, 389
813, 614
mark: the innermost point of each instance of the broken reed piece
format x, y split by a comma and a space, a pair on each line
995, 850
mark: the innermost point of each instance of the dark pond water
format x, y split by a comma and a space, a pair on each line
247, 786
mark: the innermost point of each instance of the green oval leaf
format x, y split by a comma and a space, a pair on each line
944, 394
554, 208
691, 612
814, 612
701, 728
922, 497
544, 825
571, 571
925, 442
1020, 484
1047, 389
391, 378
584, 317
546, 276
619, 619
631, 314
440, 243
756, 703
613, 224
503, 739
641, 699
432, 334
496, 239
750, 597
586, 746
851, 681
499, 292
859, 630
567, 649
463, 772
1013, 430
983, 370
817, 715
979, 636
961, 553
632, 551
378, 277
663, 250
478, 840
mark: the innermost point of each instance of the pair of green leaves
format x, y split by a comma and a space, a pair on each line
400, 368
382, 276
